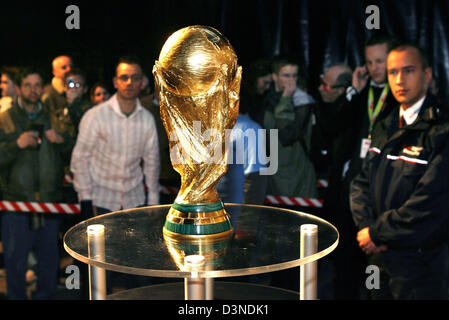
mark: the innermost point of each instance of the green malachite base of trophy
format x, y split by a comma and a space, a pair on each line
191, 221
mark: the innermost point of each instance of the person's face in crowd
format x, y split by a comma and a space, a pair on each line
31, 88
8, 87
61, 66
287, 75
128, 81
329, 90
407, 77
100, 95
75, 83
263, 83
376, 62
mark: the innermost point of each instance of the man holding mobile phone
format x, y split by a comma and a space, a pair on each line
368, 100
30, 170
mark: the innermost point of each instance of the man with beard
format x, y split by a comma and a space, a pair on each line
31, 169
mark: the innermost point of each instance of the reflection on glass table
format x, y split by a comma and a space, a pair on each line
134, 243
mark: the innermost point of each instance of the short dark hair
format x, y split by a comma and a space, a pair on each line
280, 62
421, 53
128, 60
259, 68
26, 71
13, 74
77, 72
381, 38
95, 86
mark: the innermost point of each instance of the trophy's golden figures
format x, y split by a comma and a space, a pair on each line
198, 81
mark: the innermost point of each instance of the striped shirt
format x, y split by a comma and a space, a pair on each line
113, 153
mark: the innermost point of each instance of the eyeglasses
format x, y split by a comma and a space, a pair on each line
327, 87
134, 78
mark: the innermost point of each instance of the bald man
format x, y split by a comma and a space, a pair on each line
54, 93
334, 82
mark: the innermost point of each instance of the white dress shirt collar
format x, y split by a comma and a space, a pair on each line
375, 85
412, 112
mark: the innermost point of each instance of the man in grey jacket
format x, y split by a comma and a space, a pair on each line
288, 109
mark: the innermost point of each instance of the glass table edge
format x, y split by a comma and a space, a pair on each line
205, 273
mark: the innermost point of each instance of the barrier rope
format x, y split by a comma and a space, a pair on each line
71, 208
41, 207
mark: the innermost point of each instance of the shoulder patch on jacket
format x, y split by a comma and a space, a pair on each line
412, 150
6, 123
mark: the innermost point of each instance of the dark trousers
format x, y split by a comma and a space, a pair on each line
418, 274
122, 280
18, 240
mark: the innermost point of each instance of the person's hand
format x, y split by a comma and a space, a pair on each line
289, 88
28, 139
53, 136
360, 78
366, 244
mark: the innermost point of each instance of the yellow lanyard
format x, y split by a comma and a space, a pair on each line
374, 112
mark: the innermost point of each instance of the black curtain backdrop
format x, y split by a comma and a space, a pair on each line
316, 32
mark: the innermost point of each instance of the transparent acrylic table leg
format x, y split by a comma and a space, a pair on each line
196, 288
309, 271
96, 248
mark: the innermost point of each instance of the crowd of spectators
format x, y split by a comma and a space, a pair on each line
115, 146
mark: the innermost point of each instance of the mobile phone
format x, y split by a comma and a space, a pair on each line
365, 75
36, 128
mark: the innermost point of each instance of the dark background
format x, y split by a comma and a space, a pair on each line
316, 32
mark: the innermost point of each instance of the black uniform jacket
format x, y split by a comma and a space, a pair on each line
402, 193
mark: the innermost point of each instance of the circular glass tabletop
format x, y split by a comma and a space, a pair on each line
266, 239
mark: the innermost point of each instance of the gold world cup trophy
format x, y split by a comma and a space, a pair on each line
198, 81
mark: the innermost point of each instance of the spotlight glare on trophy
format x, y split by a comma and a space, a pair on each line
198, 81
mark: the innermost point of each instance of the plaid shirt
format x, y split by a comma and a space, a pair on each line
107, 159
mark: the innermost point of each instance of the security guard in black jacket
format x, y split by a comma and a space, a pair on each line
399, 201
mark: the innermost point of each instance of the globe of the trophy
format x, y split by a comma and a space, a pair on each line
198, 82
192, 58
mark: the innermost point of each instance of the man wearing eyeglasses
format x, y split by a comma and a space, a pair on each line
333, 82
114, 138
347, 258
31, 169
